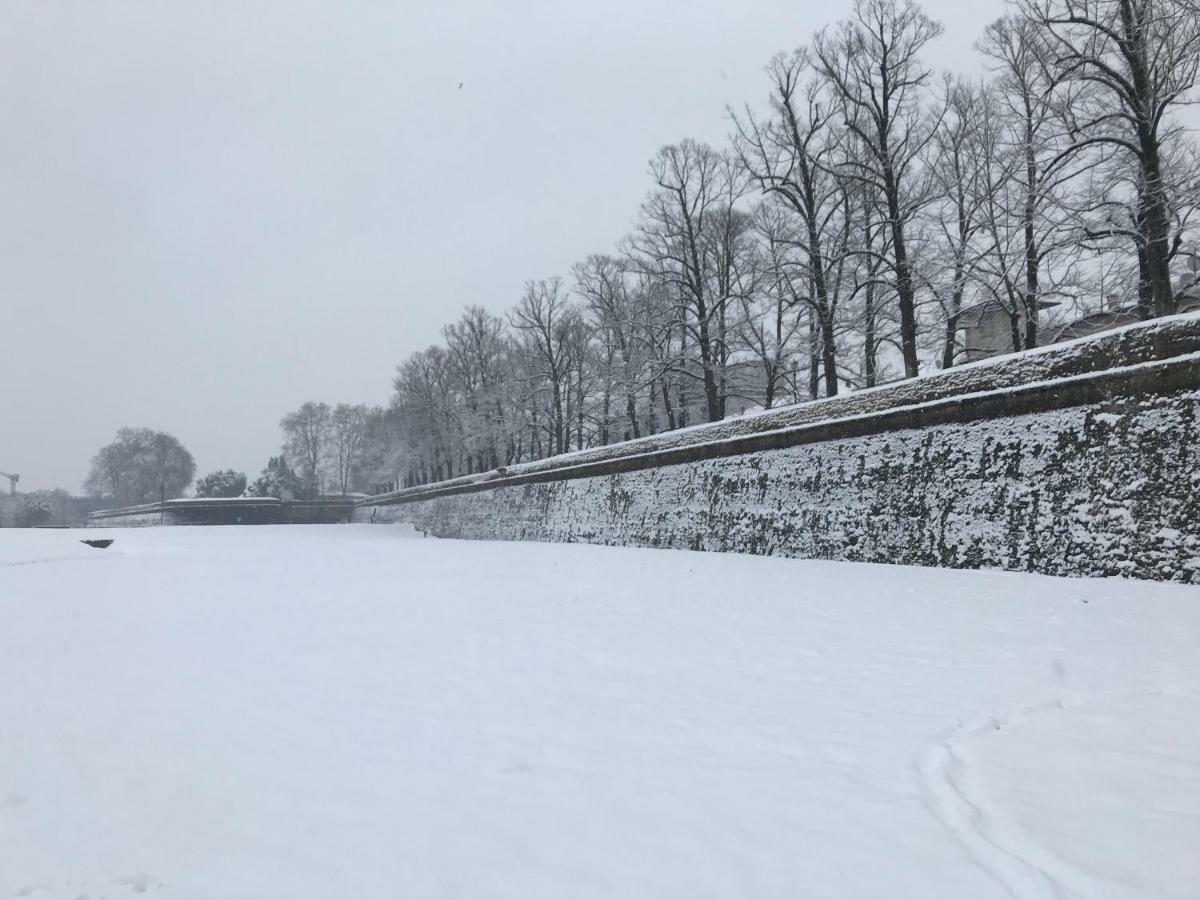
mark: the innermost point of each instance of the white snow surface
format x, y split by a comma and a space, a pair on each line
355, 712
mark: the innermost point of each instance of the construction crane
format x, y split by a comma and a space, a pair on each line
12, 482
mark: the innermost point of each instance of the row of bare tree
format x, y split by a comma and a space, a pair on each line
327, 450
841, 239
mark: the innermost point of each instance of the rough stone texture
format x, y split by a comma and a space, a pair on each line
1101, 488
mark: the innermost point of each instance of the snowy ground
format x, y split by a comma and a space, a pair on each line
348, 712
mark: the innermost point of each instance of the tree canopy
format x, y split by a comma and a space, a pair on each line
277, 480
142, 465
225, 483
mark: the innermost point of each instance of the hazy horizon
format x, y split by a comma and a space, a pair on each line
214, 215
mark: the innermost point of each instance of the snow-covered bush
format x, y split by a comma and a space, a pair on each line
225, 483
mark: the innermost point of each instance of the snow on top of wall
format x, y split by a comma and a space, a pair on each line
243, 500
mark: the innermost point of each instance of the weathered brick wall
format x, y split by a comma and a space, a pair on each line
1098, 477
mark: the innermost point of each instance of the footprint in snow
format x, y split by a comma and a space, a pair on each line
10, 800
140, 883
30, 889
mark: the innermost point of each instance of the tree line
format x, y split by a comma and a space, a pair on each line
842, 237
327, 450
855, 220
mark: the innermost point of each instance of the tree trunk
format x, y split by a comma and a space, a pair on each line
870, 366
1158, 234
814, 371
604, 413
828, 360
711, 396
1145, 294
1155, 205
631, 412
666, 395
905, 293
1032, 298
950, 340
559, 437
579, 406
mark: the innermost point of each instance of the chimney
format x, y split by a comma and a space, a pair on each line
1112, 303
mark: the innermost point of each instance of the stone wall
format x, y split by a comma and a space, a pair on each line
143, 516
1094, 473
231, 511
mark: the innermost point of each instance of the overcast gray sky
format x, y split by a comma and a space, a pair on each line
212, 212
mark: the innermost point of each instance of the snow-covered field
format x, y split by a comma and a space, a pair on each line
353, 712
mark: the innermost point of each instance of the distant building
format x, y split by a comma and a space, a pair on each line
987, 329
745, 390
1115, 314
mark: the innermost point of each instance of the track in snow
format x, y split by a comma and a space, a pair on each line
1014, 856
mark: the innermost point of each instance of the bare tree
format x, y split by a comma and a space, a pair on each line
771, 321
347, 432
425, 403
382, 460
681, 222
1140, 59
477, 345
958, 168
609, 289
662, 333
793, 156
543, 318
873, 60
306, 441
1034, 177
